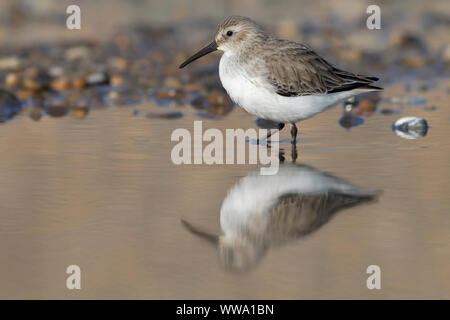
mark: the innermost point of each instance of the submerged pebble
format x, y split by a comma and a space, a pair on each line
349, 120
165, 115
266, 124
97, 78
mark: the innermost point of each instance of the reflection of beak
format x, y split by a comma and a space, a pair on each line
209, 48
212, 238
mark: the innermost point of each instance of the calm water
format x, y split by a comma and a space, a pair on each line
102, 193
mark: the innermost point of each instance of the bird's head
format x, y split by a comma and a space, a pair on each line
232, 35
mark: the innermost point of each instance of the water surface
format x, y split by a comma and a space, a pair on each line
102, 193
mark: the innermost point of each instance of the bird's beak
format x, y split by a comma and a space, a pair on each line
209, 48
211, 238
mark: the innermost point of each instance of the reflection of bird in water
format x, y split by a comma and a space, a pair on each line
260, 211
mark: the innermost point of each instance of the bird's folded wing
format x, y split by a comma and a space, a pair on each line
295, 70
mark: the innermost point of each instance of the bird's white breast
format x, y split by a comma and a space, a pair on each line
257, 96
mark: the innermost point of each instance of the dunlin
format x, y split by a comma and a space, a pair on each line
277, 79
261, 212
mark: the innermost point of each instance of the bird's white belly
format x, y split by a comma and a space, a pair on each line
257, 97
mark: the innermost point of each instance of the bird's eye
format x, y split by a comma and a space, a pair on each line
230, 33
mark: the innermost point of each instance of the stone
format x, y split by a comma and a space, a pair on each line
116, 80
78, 83
12, 80
97, 78
60, 84
165, 115
10, 63
410, 127
219, 98
169, 94
79, 113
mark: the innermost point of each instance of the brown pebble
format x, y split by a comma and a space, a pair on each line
350, 55
79, 113
414, 61
169, 94
190, 87
60, 84
387, 111
78, 83
57, 111
172, 82
405, 39
165, 115
31, 84
24, 94
31, 73
116, 80
35, 114
219, 98
11, 80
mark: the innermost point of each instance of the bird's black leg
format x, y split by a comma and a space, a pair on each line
294, 142
294, 133
269, 134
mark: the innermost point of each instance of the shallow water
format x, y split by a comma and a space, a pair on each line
102, 193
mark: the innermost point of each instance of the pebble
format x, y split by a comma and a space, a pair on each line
57, 111
56, 71
369, 104
98, 78
219, 98
35, 113
192, 87
60, 84
350, 55
266, 124
118, 63
172, 82
116, 80
414, 61
78, 83
12, 80
79, 113
406, 39
410, 127
169, 94
24, 94
388, 112
35, 79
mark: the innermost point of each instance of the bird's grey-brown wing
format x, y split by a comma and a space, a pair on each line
296, 70
296, 215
